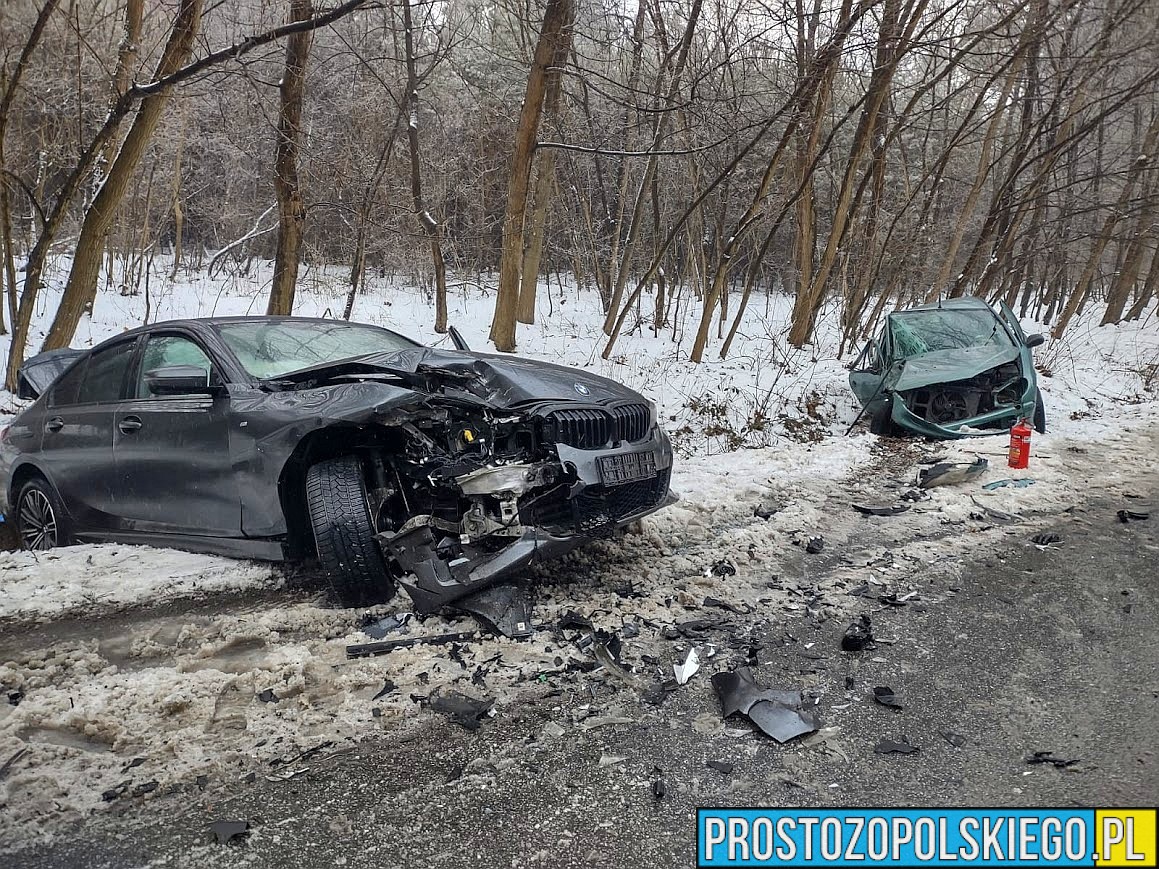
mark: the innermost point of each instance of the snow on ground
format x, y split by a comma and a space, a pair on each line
100, 578
124, 690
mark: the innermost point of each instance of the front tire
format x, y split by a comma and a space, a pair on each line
40, 518
344, 532
1039, 420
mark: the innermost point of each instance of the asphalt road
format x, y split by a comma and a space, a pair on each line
1027, 650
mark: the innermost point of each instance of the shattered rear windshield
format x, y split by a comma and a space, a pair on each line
268, 350
917, 332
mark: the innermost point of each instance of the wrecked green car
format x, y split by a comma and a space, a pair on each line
951, 369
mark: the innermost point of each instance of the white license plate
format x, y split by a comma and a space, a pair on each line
627, 468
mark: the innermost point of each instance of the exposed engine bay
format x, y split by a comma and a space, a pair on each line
462, 493
993, 390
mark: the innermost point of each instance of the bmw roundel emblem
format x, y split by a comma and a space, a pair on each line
581, 389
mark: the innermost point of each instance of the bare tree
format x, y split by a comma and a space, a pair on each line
287, 188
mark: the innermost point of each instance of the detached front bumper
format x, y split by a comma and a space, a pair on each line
582, 507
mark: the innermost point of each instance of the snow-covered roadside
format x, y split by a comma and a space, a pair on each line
101, 578
764, 393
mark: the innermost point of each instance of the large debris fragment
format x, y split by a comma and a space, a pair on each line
777, 713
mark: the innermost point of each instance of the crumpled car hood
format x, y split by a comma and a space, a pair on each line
497, 380
945, 366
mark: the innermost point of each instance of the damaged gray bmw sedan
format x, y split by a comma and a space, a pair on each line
282, 438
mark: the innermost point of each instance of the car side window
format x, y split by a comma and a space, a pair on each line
104, 378
167, 351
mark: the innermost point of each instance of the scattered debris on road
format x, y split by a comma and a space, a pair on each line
684, 672
884, 695
777, 713
366, 650
1126, 516
1020, 483
1045, 539
955, 739
723, 567
880, 509
1043, 757
889, 746
858, 636
951, 473
815, 544
460, 708
225, 832
721, 766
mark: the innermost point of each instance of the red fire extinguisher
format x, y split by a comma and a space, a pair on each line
1019, 444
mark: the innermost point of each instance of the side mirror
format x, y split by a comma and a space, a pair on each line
1035, 340
457, 339
181, 380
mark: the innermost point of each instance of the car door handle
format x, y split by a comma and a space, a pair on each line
129, 424
54, 424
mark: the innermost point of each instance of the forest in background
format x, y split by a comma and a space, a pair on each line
856, 154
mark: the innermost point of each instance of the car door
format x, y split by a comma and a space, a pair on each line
77, 447
174, 472
865, 373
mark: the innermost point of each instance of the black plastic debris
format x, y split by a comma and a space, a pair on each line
225, 832
951, 473
630, 630
115, 792
763, 511
571, 620
721, 766
463, 710
893, 600
858, 635
862, 590
502, 609
880, 510
387, 687
884, 695
366, 650
658, 692
145, 788
914, 495
659, 786
777, 713
1043, 757
376, 630
1126, 516
14, 697
723, 567
815, 544
848, 683
725, 605
268, 696
955, 739
133, 764
1045, 539
889, 746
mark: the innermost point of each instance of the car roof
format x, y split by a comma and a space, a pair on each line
968, 303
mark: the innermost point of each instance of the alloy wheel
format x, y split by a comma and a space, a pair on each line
38, 527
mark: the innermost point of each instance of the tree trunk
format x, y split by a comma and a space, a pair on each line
82, 277
1078, 295
1128, 274
545, 179
291, 207
430, 226
558, 13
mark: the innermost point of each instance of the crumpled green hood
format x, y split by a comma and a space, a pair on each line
944, 366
